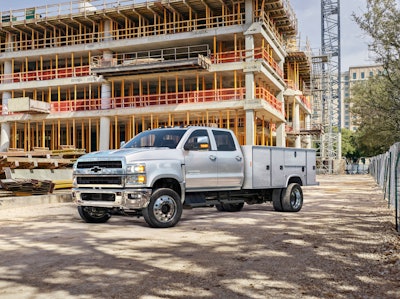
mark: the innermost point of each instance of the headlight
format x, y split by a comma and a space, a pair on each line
136, 168
136, 174
138, 179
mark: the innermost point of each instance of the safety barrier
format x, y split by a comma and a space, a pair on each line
385, 169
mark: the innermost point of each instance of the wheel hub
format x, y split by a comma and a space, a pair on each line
164, 208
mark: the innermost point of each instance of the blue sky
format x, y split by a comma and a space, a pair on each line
353, 42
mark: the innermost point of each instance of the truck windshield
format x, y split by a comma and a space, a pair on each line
156, 138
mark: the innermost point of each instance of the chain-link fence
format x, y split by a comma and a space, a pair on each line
385, 169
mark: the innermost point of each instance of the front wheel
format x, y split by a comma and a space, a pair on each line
164, 209
292, 198
94, 214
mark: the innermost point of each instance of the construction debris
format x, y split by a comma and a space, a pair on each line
39, 158
27, 186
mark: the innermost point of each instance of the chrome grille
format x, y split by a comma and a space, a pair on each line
100, 164
100, 180
98, 196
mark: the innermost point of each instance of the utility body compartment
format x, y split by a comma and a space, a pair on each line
272, 167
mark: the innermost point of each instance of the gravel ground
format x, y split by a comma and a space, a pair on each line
342, 244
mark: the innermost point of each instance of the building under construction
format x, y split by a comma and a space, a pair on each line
90, 74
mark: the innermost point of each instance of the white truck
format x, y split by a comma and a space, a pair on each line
159, 172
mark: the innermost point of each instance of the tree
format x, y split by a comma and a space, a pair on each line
377, 102
349, 146
379, 117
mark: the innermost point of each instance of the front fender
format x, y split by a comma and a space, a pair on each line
160, 169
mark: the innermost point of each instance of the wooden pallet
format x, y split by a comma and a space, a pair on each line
27, 186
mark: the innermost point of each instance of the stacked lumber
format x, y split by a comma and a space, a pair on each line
27, 186
39, 158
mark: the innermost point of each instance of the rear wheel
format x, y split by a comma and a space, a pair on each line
164, 209
277, 200
94, 214
292, 198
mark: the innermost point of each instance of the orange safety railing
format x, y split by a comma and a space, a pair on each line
305, 101
202, 96
137, 101
263, 93
67, 72
241, 55
263, 54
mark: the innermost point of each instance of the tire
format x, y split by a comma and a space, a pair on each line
164, 209
94, 214
277, 200
292, 198
220, 207
233, 207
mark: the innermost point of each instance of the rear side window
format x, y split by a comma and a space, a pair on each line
224, 140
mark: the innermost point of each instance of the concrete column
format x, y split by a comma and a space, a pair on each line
5, 127
308, 127
296, 123
104, 133
280, 134
5, 134
249, 11
250, 136
107, 30
106, 95
250, 119
249, 77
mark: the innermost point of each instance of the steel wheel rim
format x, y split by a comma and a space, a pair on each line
164, 208
295, 198
96, 213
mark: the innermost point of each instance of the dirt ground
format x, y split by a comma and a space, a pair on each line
342, 244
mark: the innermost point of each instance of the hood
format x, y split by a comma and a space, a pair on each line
134, 154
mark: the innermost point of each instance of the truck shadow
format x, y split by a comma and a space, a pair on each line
332, 248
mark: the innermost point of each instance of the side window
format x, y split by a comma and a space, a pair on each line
224, 140
198, 140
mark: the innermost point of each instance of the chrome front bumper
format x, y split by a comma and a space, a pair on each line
127, 199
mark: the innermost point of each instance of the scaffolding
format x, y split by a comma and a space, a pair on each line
327, 93
146, 65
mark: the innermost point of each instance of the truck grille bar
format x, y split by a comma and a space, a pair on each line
100, 164
98, 196
100, 180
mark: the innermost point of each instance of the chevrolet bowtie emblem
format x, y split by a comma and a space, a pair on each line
95, 169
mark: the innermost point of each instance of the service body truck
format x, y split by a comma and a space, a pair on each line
159, 172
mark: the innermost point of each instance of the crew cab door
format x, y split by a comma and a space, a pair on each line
200, 162
230, 160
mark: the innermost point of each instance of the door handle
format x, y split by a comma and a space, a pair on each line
212, 157
239, 158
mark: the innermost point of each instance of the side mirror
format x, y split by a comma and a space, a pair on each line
121, 144
196, 146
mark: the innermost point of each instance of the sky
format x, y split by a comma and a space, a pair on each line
354, 47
